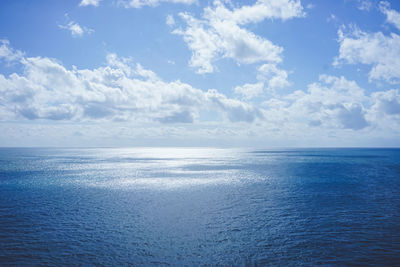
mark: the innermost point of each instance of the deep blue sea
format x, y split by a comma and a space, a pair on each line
199, 207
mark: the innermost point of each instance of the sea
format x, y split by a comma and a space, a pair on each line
199, 207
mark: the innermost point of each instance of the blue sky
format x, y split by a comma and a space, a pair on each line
200, 73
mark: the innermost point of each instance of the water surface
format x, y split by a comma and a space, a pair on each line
199, 206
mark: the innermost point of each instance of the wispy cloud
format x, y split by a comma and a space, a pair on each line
7, 53
74, 28
170, 20
89, 3
365, 5
151, 3
392, 16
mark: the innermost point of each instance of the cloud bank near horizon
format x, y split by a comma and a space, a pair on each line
269, 105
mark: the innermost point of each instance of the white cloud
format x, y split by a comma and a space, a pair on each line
310, 6
250, 90
203, 43
273, 77
333, 102
218, 34
332, 18
127, 94
8, 53
352, 117
75, 29
120, 91
89, 3
244, 46
183, 116
261, 10
170, 20
152, 3
376, 49
364, 5
142, 72
270, 78
236, 110
392, 16
385, 111
387, 103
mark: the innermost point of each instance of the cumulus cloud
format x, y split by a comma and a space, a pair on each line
333, 102
270, 78
387, 102
236, 110
203, 43
89, 3
352, 117
218, 34
392, 16
385, 111
124, 90
274, 77
119, 91
375, 49
151, 3
250, 90
74, 28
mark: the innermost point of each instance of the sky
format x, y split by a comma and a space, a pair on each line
256, 73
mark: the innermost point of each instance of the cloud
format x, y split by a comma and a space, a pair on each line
170, 20
333, 102
119, 91
218, 34
352, 117
387, 103
310, 6
75, 29
183, 116
204, 44
364, 5
392, 16
261, 10
375, 49
89, 3
151, 3
273, 77
7, 53
236, 110
332, 18
124, 91
270, 78
250, 90
385, 111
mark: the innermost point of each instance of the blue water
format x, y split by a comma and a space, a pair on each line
199, 206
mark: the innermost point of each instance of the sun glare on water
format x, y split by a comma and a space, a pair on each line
165, 168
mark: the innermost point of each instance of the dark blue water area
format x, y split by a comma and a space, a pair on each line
199, 207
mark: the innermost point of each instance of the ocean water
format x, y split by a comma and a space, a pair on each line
199, 207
